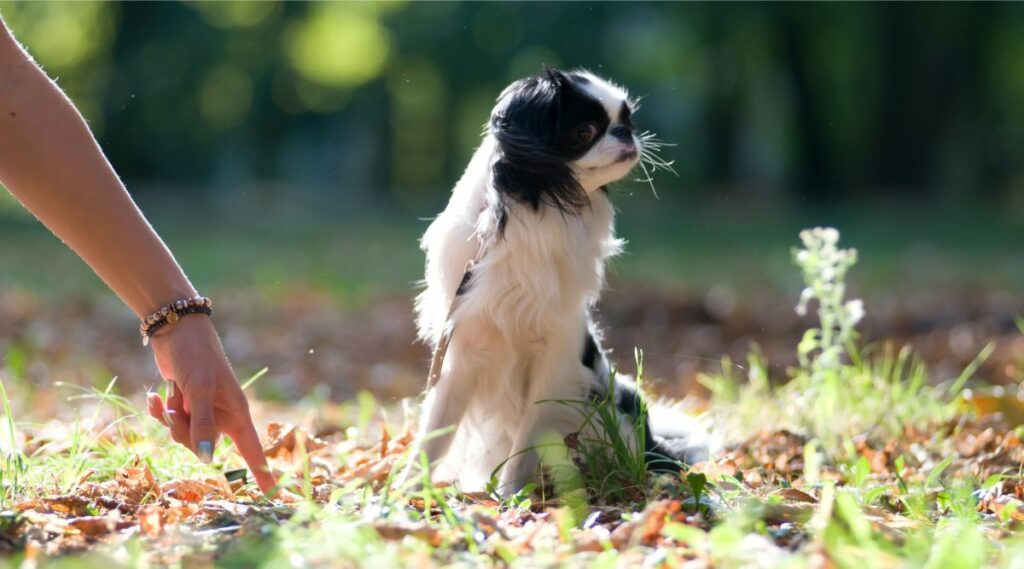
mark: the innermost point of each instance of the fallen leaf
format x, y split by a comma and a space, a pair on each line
151, 520
1007, 507
136, 484
69, 505
796, 495
94, 526
195, 490
285, 439
397, 531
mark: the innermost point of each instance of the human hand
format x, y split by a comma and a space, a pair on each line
205, 398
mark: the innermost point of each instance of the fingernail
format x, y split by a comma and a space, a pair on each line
168, 419
205, 452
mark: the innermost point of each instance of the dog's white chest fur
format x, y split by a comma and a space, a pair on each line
521, 316
543, 266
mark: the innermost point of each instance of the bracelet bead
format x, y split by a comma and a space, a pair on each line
172, 313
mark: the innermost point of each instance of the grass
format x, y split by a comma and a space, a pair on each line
863, 458
601, 456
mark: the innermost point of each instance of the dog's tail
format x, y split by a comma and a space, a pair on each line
675, 437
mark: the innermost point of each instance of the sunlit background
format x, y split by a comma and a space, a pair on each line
291, 153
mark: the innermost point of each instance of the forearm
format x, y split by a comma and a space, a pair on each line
50, 161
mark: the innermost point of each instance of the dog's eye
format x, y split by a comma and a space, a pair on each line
586, 132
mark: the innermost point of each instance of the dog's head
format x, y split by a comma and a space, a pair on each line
561, 136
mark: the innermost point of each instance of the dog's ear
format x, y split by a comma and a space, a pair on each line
527, 174
524, 122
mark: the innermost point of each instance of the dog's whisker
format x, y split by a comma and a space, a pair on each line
654, 156
650, 179
651, 137
657, 162
651, 151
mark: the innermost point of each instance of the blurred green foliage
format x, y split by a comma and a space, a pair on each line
383, 102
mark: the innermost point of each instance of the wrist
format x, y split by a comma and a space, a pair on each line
152, 294
189, 324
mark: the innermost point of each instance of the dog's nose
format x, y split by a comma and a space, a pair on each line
622, 132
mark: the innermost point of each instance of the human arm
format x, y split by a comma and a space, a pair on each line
50, 162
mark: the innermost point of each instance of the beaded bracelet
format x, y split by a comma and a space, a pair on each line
170, 314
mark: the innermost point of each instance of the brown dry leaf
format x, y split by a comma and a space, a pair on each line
652, 528
177, 512
385, 436
645, 527
794, 494
136, 484
753, 479
404, 440
481, 498
94, 526
68, 505
374, 472
1009, 406
788, 512
48, 523
151, 520
195, 490
588, 541
487, 523
1000, 506
622, 536
236, 485
972, 444
323, 492
287, 496
284, 439
396, 531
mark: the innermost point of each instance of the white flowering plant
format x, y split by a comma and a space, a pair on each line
824, 266
840, 387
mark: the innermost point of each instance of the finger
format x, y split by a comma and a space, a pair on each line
175, 399
157, 409
154, 405
249, 446
180, 429
203, 426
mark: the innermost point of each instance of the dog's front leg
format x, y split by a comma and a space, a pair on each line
551, 379
522, 464
443, 408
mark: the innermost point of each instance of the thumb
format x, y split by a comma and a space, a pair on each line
204, 427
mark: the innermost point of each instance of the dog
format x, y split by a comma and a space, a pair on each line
515, 264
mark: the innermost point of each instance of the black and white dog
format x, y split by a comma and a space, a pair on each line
515, 264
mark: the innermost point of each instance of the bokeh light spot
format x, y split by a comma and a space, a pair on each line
225, 96
235, 14
338, 45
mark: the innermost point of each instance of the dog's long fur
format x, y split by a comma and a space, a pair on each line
532, 208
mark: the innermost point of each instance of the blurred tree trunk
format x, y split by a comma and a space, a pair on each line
813, 164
